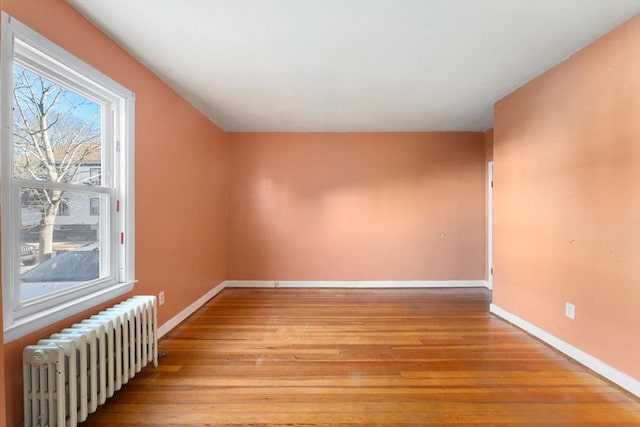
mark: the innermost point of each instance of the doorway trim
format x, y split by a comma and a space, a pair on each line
490, 225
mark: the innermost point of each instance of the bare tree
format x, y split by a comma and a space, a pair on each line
51, 140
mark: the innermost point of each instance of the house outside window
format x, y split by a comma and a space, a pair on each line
62, 121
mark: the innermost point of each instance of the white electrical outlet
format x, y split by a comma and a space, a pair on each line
570, 310
161, 297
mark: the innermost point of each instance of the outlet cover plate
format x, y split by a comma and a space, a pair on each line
570, 310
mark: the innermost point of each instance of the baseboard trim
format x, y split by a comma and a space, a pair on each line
623, 380
356, 284
175, 320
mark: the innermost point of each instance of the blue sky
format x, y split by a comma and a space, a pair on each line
72, 103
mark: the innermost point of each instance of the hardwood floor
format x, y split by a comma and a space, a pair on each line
312, 357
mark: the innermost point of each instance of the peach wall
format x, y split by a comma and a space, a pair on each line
488, 145
567, 200
356, 206
180, 157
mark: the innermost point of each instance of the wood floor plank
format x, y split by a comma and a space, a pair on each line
347, 357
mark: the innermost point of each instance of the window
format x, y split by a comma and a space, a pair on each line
94, 176
67, 150
94, 206
63, 208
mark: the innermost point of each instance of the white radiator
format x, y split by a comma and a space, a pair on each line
67, 376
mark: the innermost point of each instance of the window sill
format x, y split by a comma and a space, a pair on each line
37, 321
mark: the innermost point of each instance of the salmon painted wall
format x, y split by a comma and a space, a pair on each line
180, 173
488, 141
567, 200
356, 206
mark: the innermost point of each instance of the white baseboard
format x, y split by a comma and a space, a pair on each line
620, 378
175, 320
356, 284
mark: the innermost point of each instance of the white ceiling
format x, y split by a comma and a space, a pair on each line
352, 65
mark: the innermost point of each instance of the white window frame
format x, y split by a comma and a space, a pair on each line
21, 318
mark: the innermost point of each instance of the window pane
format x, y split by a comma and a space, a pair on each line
63, 208
58, 251
94, 206
95, 176
56, 132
